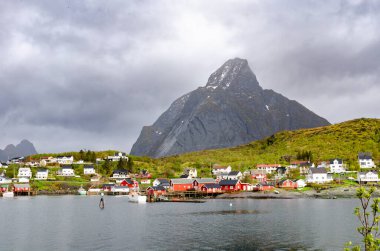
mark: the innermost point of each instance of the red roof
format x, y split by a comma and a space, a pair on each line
267, 165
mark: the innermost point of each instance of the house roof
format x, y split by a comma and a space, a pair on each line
340, 161
42, 170
120, 171
282, 181
162, 180
184, 176
365, 156
365, 173
205, 180
219, 167
234, 173
157, 188
210, 186
318, 170
66, 167
128, 180
89, 166
267, 165
228, 182
108, 185
182, 181
21, 185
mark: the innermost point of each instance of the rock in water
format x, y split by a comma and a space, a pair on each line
232, 109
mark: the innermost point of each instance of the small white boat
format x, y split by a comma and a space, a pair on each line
8, 195
82, 191
137, 198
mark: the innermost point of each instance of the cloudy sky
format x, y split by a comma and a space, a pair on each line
89, 74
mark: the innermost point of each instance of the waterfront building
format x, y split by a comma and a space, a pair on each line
318, 175
230, 185
155, 191
287, 184
301, 183
364, 177
120, 174
211, 188
162, 182
181, 184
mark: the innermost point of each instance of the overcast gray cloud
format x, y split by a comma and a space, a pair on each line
89, 74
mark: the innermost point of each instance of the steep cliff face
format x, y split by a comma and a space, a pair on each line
24, 148
232, 109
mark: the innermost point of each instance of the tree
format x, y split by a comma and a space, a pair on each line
121, 164
369, 218
106, 168
130, 165
81, 154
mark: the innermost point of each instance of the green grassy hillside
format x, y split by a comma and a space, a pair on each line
342, 140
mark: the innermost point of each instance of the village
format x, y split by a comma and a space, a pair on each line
264, 178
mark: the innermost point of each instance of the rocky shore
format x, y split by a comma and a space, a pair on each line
332, 193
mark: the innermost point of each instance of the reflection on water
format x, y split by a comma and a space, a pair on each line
227, 212
77, 223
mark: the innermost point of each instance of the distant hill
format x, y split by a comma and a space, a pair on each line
24, 148
232, 109
342, 140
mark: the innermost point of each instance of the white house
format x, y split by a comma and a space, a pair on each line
318, 175
88, 170
117, 157
235, 175
365, 160
66, 171
120, 174
368, 177
322, 164
161, 182
301, 183
336, 166
218, 170
24, 172
191, 172
5, 180
4, 165
65, 160
268, 168
42, 174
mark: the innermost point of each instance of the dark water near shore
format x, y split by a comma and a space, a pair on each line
77, 223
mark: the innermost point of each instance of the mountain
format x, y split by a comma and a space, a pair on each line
24, 148
232, 109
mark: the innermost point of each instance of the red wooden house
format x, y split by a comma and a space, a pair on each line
182, 184
211, 188
129, 183
3, 188
230, 185
259, 175
155, 191
108, 187
287, 184
19, 188
264, 187
199, 182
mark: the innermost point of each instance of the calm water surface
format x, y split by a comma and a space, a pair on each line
77, 223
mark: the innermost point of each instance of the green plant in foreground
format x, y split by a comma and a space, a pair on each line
368, 216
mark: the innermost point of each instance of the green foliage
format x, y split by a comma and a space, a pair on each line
368, 215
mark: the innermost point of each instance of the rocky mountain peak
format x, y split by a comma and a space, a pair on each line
234, 74
24, 148
232, 109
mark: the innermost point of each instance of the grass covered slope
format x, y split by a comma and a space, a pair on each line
342, 140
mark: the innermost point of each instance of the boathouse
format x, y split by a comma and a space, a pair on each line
230, 185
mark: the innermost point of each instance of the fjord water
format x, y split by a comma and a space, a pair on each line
77, 223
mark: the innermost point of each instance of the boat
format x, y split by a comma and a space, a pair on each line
137, 198
82, 191
8, 194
